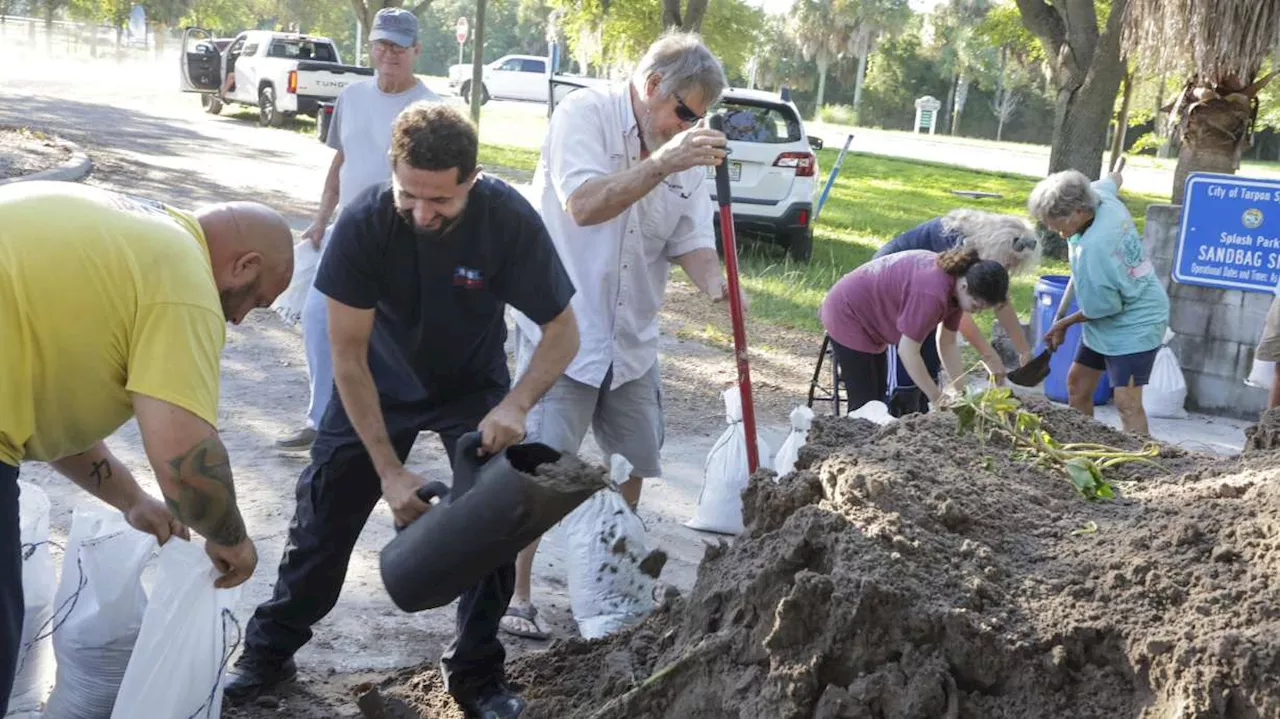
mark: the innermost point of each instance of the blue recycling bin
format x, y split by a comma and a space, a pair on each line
1049, 292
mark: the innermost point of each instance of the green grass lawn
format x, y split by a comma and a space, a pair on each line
873, 199
514, 164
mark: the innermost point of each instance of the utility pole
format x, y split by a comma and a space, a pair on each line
477, 64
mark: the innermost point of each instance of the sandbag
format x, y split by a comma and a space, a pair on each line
606, 545
801, 420
99, 607
306, 259
874, 411
1263, 374
1166, 392
35, 658
725, 474
188, 634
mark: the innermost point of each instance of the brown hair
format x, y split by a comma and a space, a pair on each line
434, 136
988, 280
958, 260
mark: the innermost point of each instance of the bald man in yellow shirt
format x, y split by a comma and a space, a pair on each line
113, 307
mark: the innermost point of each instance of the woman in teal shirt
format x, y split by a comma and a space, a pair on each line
1123, 305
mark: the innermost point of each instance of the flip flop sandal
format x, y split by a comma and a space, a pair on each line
529, 614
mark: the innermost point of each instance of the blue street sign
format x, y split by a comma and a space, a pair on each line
1230, 235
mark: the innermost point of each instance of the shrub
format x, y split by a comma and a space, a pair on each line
837, 115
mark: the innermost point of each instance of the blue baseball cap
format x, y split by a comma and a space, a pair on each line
395, 25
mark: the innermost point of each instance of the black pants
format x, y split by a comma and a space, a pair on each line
865, 375
336, 494
11, 605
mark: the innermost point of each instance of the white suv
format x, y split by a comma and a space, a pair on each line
511, 77
773, 169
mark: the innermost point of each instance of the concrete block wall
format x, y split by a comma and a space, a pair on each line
1217, 330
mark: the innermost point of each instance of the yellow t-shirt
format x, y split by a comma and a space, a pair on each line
101, 295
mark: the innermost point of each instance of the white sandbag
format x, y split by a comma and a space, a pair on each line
35, 653
290, 302
875, 411
606, 543
801, 420
725, 474
98, 612
1166, 392
1262, 375
186, 641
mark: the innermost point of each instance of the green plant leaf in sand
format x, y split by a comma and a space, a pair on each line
996, 411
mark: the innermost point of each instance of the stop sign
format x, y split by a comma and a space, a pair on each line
461, 30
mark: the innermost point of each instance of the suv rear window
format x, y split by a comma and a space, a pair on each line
760, 123
302, 50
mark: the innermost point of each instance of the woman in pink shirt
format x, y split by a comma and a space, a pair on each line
900, 300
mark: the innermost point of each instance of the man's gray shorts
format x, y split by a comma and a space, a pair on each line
626, 420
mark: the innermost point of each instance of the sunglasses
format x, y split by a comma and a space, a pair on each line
1024, 243
683, 111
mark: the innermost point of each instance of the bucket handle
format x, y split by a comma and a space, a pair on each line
466, 461
428, 492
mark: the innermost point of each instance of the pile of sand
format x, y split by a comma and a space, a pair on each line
915, 572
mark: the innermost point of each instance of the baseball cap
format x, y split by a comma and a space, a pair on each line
395, 25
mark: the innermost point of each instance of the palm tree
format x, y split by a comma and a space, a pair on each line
872, 21
821, 29
1222, 45
828, 31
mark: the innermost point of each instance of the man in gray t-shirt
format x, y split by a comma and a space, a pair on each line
360, 131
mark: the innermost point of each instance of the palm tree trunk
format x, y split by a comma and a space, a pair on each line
1122, 121
822, 84
1214, 134
1001, 96
857, 85
962, 96
1161, 118
948, 106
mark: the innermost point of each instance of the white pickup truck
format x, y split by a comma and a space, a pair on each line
513, 77
282, 74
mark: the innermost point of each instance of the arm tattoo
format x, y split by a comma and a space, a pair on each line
101, 471
206, 496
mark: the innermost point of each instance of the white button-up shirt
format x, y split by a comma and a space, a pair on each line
619, 267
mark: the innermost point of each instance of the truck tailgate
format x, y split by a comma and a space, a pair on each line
326, 79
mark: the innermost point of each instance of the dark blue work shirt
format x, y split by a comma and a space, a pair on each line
929, 236
439, 327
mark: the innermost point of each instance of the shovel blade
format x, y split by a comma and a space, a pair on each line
1033, 372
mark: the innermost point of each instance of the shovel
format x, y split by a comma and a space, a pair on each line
736, 311
1033, 372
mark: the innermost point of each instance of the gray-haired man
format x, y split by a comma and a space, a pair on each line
623, 187
360, 132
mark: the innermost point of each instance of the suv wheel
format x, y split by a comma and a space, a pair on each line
268, 114
799, 244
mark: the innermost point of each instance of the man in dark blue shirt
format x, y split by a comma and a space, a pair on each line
418, 274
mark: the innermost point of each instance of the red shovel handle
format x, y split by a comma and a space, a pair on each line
716, 122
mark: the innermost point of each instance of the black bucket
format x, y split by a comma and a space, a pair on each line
495, 508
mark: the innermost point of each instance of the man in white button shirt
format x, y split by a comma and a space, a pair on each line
622, 183
360, 131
